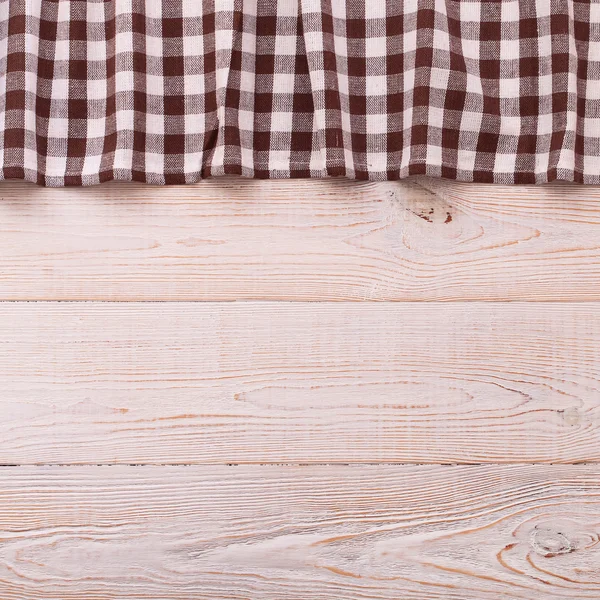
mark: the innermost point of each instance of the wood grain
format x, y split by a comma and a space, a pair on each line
299, 382
416, 533
235, 239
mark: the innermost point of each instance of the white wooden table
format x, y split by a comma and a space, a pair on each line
300, 390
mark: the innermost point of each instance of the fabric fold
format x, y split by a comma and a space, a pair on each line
174, 91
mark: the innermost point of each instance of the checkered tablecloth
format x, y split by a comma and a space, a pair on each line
172, 91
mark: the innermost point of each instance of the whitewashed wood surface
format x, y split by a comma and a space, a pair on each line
300, 382
356, 532
158, 441
231, 239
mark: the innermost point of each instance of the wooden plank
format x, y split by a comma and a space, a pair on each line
302, 383
300, 240
416, 533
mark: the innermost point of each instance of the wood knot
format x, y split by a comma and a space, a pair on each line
571, 416
547, 542
431, 215
431, 210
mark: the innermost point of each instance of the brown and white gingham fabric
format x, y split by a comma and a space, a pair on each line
172, 91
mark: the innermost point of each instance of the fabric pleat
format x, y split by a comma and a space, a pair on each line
174, 91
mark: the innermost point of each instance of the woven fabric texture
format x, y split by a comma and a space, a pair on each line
172, 91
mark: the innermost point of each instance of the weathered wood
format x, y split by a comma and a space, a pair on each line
416, 533
300, 240
302, 383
